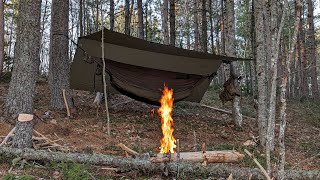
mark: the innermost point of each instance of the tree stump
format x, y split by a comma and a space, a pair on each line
23, 134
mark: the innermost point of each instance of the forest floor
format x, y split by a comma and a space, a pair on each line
134, 125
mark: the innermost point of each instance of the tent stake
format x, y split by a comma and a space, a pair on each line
104, 81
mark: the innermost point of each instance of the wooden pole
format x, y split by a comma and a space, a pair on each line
66, 102
104, 81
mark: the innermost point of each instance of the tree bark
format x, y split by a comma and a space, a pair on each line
23, 134
311, 50
260, 70
196, 25
59, 66
127, 17
165, 22
204, 37
140, 20
231, 51
111, 15
283, 95
1, 36
81, 16
172, 23
211, 27
27, 59
276, 32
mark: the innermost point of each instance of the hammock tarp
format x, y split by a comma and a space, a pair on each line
139, 68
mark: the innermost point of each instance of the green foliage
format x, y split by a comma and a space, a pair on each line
13, 177
75, 171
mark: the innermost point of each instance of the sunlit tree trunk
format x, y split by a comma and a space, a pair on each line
311, 50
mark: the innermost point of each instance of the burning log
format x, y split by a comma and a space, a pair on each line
208, 157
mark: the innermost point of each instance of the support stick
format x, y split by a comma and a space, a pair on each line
258, 164
104, 82
66, 102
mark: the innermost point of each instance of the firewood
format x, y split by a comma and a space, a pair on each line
208, 157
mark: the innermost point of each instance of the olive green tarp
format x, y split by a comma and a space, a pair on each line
140, 69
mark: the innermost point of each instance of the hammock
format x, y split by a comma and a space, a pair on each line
139, 69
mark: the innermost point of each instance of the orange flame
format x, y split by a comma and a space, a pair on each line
168, 142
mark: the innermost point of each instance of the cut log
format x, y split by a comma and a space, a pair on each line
208, 157
23, 133
144, 166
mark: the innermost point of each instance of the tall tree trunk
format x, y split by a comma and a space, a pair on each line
172, 23
81, 16
303, 71
165, 22
97, 15
211, 27
27, 59
231, 51
283, 96
127, 17
204, 36
111, 15
260, 70
311, 50
196, 25
59, 66
276, 31
140, 19
1, 36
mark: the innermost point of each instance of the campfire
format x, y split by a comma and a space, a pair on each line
168, 142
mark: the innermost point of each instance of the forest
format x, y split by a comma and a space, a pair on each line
159, 89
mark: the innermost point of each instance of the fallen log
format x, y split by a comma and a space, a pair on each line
130, 164
208, 157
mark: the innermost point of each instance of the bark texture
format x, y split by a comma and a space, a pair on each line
59, 66
140, 20
165, 22
204, 37
1, 36
311, 50
27, 59
81, 16
111, 15
172, 23
196, 25
127, 17
23, 135
231, 51
260, 70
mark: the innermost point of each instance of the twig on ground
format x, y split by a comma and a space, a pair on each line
8, 136
128, 150
258, 164
224, 111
